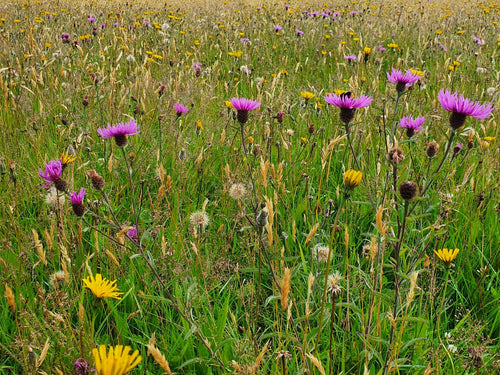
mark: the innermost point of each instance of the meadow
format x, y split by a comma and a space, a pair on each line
233, 187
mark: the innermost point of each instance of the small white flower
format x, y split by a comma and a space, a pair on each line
130, 58
452, 348
491, 90
480, 70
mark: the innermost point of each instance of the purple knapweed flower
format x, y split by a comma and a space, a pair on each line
443, 47
478, 40
347, 104
77, 202
132, 232
350, 57
65, 38
461, 107
401, 80
119, 132
299, 32
90, 18
277, 28
243, 106
52, 175
411, 124
180, 109
81, 367
245, 41
381, 48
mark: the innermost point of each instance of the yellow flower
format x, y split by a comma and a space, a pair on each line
367, 51
439, 32
117, 361
392, 45
338, 91
102, 288
307, 95
250, 139
199, 125
446, 255
352, 178
67, 158
228, 104
489, 139
417, 72
236, 54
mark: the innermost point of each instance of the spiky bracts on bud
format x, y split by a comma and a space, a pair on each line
77, 202
396, 155
432, 149
408, 190
96, 179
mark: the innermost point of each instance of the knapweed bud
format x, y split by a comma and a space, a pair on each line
408, 190
279, 116
432, 149
77, 202
96, 179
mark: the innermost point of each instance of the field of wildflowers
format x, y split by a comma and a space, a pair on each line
221, 187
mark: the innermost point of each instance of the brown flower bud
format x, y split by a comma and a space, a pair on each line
396, 155
408, 190
432, 149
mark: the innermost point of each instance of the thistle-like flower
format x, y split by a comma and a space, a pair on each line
461, 107
408, 190
243, 106
401, 80
101, 287
411, 124
347, 104
77, 202
119, 132
117, 361
52, 175
447, 255
180, 109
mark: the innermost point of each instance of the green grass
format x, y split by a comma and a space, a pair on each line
210, 298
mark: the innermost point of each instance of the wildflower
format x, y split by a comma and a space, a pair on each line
237, 191
236, 54
132, 232
321, 253
67, 158
199, 219
458, 147
381, 48
446, 255
432, 149
54, 199
408, 190
401, 80
279, 116
180, 109
333, 286
478, 40
117, 361
411, 125
245, 41
96, 179
119, 132
350, 58
307, 95
396, 155
277, 28
366, 53
299, 32
52, 175
81, 367
102, 288
393, 45
347, 104
76, 202
65, 38
243, 106
352, 178
461, 107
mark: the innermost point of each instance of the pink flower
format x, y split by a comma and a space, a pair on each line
347, 104
243, 106
401, 80
461, 107
411, 125
52, 175
119, 131
76, 202
180, 109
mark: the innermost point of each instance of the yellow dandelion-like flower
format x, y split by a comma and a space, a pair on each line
417, 72
447, 255
236, 54
489, 139
101, 287
307, 95
228, 104
338, 91
367, 51
283, 72
67, 158
352, 178
115, 362
393, 45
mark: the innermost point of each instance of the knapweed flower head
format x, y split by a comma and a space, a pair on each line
411, 124
119, 132
132, 232
447, 255
77, 202
52, 175
117, 361
461, 107
299, 32
350, 57
277, 28
101, 287
81, 367
401, 80
352, 178
180, 109
408, 190
243, 106
347, 104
